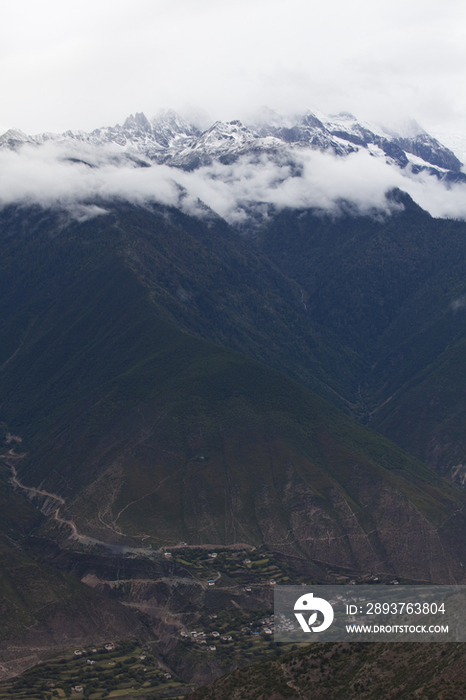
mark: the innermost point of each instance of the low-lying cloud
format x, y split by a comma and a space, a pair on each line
78, 178
459, 303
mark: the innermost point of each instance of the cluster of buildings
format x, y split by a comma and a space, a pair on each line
201, 637
267, 626
93, 650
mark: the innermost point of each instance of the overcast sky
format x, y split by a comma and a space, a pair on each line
88, 64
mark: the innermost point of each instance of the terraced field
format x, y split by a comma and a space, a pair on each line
126, 671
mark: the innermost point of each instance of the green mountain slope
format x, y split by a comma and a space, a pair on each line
428, 415
394, 290
149, 432
201, 275
361, 273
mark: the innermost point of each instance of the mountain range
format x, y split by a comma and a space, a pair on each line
291, 380
172, 140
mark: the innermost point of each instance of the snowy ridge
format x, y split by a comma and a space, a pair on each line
170, 139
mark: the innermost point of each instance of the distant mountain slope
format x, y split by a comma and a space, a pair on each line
151, 432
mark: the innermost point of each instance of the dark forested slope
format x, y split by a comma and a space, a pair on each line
393, 289
148, 431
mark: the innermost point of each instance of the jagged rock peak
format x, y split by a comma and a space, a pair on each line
138, 121
310, 119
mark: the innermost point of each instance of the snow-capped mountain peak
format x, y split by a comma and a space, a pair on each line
224, 135
169, 127
170, 139
13, 136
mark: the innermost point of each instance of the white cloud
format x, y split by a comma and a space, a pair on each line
62, 174
78, 178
